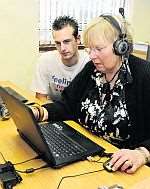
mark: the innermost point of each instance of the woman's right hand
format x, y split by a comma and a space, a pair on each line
127, 160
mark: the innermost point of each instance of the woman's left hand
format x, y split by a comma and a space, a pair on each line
127, 160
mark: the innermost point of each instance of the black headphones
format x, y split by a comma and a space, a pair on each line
121, 46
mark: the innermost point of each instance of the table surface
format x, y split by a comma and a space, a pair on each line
16, 150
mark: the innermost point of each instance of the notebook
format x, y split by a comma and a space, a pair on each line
58, 143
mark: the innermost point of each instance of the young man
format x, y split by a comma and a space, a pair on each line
56, 69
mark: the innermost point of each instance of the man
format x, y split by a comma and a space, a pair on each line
56, 69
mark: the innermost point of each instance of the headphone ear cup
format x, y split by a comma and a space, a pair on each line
120, 47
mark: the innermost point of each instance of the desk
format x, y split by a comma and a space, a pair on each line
16, 150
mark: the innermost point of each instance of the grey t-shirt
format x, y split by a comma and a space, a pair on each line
52, 76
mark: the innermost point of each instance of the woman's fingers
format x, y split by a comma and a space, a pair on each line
127, 160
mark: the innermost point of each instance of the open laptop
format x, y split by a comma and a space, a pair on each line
57, 142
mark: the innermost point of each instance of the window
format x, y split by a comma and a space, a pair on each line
81, 10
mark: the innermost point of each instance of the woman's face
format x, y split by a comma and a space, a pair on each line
103, 57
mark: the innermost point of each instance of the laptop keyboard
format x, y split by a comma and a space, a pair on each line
60, 144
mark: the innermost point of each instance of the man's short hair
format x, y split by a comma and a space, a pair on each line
63, 21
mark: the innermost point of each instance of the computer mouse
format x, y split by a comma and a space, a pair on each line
108, 166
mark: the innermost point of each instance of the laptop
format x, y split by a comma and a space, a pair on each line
17, 95
56, 142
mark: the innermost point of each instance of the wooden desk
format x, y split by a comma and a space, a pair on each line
16, 150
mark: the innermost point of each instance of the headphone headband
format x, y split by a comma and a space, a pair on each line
121, 46
113, 22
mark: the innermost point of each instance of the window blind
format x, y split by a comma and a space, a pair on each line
81, 10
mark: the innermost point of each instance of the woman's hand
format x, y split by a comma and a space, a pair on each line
40, 113
127, 160
35, 112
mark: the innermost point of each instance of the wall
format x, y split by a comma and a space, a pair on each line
140, 20
19, 36
18, 40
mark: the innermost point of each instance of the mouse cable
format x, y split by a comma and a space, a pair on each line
31, 170
105, 154
71, 176
93, 160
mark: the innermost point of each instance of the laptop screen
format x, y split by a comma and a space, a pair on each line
58, 143
25, 122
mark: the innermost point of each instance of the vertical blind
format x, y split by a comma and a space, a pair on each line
81, 10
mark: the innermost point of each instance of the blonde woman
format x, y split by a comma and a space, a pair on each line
111, 96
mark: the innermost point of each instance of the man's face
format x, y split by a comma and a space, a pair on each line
66, 43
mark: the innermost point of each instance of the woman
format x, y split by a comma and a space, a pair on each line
110, 96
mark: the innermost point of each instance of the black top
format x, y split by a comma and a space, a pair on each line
103, 110
137, 97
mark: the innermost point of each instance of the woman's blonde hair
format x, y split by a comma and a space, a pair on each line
101, 29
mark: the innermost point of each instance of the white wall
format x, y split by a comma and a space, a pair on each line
19, 36
140, 20
18, 40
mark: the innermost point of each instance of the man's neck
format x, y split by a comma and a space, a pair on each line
72, 61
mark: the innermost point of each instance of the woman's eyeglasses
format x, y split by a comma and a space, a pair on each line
96, 50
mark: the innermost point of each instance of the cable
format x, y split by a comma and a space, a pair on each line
3, 157
92, 159
105, 154
36, 157
31, 170
71, 176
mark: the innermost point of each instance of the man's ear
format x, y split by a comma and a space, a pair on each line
78, 39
